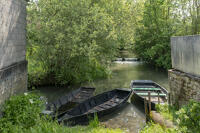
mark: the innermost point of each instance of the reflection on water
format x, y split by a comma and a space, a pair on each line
129, 118
124, 73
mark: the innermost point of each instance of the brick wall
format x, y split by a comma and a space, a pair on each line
13, 70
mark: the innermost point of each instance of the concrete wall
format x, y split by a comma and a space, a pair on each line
183, 87
13, 70
185, 52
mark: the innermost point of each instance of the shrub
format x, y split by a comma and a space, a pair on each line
152, 39
167, 111
70, 40
21, 110
156, 128
22, 115
188, 117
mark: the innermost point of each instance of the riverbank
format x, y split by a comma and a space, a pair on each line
185, 119
129, 118
22, 115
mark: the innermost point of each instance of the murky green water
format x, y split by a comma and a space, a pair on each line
129, 118
124, 73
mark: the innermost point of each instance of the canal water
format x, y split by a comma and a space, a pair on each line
130, 118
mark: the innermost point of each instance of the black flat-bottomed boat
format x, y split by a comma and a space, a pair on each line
142, 88
68, 101
100, 105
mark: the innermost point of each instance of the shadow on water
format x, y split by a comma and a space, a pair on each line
130, 118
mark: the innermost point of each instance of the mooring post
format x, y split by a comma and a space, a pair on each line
158, 98
145, 109
149, 95
169, 98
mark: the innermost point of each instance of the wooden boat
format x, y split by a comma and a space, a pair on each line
68, 101
100, 105
141, 89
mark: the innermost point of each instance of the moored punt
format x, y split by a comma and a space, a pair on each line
68, 101
101, 104
142, 88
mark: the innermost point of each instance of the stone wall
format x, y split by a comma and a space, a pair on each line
13, 65
183, 87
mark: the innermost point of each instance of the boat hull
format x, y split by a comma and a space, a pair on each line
146, 86
69, 101
90, 113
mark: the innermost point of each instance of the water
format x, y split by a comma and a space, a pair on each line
124, 72
129, 118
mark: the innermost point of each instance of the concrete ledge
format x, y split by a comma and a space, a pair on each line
178, 72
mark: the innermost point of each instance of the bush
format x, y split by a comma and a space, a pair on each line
167, 111
156, 128
188, 117
21, 110
22, 115
70, 40
152, 38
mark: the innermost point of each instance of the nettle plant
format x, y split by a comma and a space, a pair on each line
23, 110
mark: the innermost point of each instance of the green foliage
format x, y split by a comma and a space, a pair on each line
167, 111
94, 123
124, 20
22, 115
36, 74
156, 128
71, 40
48, 126
188, 117
162, 19
22, 111
54, 127
152, 38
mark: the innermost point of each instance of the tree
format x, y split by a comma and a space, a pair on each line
152, 39
72, 40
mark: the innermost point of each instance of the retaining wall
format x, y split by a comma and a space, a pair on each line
184, 78
185, 51
183, 87
13, 64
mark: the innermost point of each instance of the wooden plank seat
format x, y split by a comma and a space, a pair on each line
146, 89
152, 94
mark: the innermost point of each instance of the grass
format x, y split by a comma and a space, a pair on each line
156, 128
45, 126
22, 115
53, 127
167, 111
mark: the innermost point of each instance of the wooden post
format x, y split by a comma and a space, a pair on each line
149, 95
169, 98
145, 109
158, 98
